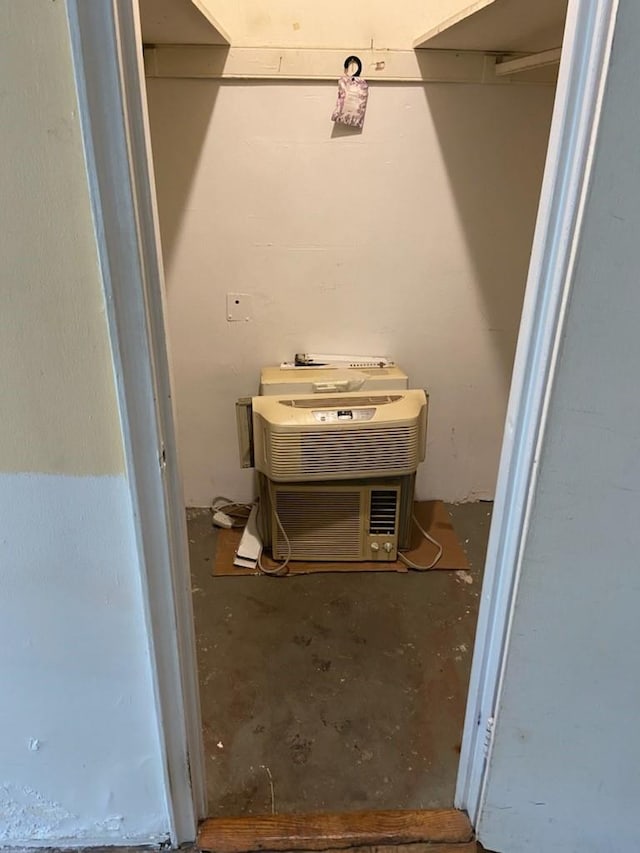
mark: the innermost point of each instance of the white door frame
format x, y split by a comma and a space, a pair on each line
106, 46
109, 72
583, 70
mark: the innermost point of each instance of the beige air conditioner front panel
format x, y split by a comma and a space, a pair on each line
335, 522
304, 438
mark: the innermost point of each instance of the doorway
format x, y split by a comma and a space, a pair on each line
444, 233
180, 790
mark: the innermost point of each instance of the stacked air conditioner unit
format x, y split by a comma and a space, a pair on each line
336, 471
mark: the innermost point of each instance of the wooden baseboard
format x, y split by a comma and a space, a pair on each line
371, 832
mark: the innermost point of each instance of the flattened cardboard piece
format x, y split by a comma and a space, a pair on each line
432, 515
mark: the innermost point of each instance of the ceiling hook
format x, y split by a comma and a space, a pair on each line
349, 60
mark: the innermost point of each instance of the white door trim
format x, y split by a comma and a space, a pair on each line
583, 71
107, 55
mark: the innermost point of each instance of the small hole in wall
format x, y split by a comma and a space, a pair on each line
237, 302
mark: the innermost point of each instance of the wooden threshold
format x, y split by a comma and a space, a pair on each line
467, 847
438, 830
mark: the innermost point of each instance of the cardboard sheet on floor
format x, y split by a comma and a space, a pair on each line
432, 515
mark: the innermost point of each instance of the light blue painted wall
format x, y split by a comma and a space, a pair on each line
565, 772
78, 736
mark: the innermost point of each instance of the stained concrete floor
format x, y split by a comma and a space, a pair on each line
334, 691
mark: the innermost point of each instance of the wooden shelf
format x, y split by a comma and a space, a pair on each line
501, 26
179, 22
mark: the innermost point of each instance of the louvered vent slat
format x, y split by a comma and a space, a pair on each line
344, 452
383, 512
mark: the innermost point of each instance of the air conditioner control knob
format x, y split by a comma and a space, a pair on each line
388, 547
375, 547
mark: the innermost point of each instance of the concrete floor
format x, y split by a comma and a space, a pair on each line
334, 691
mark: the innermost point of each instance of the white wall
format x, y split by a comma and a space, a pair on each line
79, 738
564, 772
410, 239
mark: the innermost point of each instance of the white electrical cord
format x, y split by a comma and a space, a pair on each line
228, 513
434, 562
280, 570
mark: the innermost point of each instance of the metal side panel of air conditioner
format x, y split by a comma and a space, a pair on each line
405, 519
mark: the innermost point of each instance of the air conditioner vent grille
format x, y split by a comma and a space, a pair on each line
383, 512
344, 452
320, 525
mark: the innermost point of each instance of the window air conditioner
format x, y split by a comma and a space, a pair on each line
336, 472
279, 381
336, 521
305, 438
